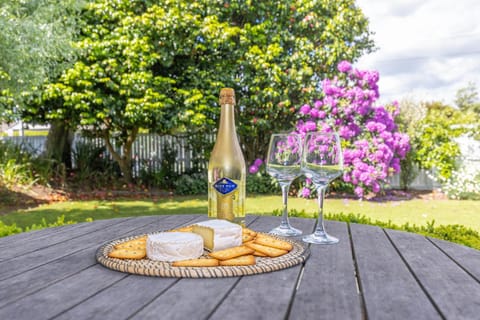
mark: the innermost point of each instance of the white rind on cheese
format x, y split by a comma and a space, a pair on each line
174, 246
219, 234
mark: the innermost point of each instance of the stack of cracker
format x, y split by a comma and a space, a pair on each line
253, 245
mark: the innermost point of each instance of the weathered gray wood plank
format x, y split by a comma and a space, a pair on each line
265, 296
56, 237
328, 288
121, 300
62, 295
467, 257
33, 280
34, 259
45, 255
37, 234
390, 291
448, 285
188, 298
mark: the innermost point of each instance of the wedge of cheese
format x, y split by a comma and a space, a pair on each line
218, 234
174, 246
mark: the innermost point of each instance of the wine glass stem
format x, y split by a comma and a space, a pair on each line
321, 195
285, 188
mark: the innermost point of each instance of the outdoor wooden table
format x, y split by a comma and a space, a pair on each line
372, 273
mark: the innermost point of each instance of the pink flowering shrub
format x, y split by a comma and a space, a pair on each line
371, 143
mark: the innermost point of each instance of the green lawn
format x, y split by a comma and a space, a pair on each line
416, 211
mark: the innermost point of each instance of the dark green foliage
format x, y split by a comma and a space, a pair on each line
6, 230
193, 184
261, 183
166, 176
92, 164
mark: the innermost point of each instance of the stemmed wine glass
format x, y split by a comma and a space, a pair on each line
322, 162
284, 164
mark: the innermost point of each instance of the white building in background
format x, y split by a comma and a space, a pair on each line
470, 151
19, 128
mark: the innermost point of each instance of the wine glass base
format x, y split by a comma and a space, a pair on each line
286, 231
320, 238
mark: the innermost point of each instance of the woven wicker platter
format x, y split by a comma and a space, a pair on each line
147, 267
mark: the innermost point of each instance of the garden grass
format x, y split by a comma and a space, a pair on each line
415, 212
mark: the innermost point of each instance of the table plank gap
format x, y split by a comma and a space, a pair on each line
432, 301
297, 286
155, 297
189, 296
457, 253
358, 281
300, 277
215, 308
89, 297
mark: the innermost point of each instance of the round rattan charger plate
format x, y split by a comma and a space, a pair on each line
147, 267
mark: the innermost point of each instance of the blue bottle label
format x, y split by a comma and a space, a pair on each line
225, 186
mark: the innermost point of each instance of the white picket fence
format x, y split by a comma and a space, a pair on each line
147, 150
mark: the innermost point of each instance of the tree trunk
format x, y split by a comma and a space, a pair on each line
124, 160
58, 146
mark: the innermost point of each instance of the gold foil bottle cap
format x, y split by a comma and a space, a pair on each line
227, 96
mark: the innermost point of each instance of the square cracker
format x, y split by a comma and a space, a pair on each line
248, 260
269, 251
231, 253
273, 242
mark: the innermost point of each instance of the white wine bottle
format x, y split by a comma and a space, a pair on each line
226, 168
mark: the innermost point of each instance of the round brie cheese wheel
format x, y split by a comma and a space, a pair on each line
174, 246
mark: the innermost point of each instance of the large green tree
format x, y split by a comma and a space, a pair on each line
35, 45
160, 65
433, 138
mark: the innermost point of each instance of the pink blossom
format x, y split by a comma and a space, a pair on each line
305, 192
258, 162
344, 66
253, 169
359, 192
314, 113
305, 109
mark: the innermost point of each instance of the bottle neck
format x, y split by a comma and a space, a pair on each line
227, 121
